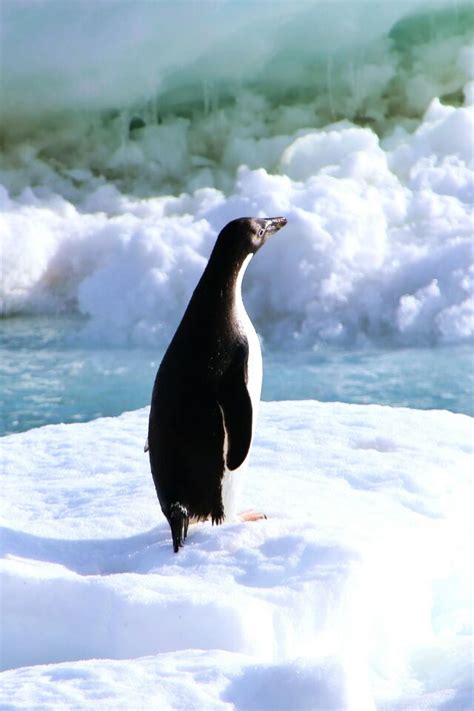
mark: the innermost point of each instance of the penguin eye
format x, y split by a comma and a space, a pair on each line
261, 232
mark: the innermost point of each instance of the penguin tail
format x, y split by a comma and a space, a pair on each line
178, 520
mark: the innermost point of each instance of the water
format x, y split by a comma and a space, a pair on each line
48, 376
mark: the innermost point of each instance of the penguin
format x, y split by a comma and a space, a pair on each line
207, 389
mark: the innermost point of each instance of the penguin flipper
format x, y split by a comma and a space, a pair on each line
236, 406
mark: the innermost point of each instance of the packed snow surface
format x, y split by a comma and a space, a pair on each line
121, 165
355, 593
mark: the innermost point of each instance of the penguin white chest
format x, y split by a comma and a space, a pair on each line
254, 366
231, 481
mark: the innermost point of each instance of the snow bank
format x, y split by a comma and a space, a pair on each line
354, 592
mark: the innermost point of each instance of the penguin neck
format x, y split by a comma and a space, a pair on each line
227, 283
237, 290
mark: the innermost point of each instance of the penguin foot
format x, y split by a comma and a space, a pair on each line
179, 522
252, 516
217, 514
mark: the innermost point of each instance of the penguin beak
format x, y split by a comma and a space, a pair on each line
273, 224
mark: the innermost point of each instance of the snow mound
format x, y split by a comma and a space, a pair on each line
354, 592
378, 242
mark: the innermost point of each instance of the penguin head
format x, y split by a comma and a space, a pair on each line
261, 228
246, 235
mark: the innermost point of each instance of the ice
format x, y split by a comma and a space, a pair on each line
354, 593
85, 60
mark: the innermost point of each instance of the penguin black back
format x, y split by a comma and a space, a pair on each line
202, 415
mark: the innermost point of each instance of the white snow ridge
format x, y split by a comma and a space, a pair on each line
354, 594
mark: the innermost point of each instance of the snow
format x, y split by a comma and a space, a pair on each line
355, 593
378, 243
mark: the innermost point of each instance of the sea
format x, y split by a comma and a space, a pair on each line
47, 376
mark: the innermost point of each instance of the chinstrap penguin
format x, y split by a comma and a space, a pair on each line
207, 388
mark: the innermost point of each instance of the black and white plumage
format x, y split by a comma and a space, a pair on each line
207, 388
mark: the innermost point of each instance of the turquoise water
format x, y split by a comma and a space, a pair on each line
48, 376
